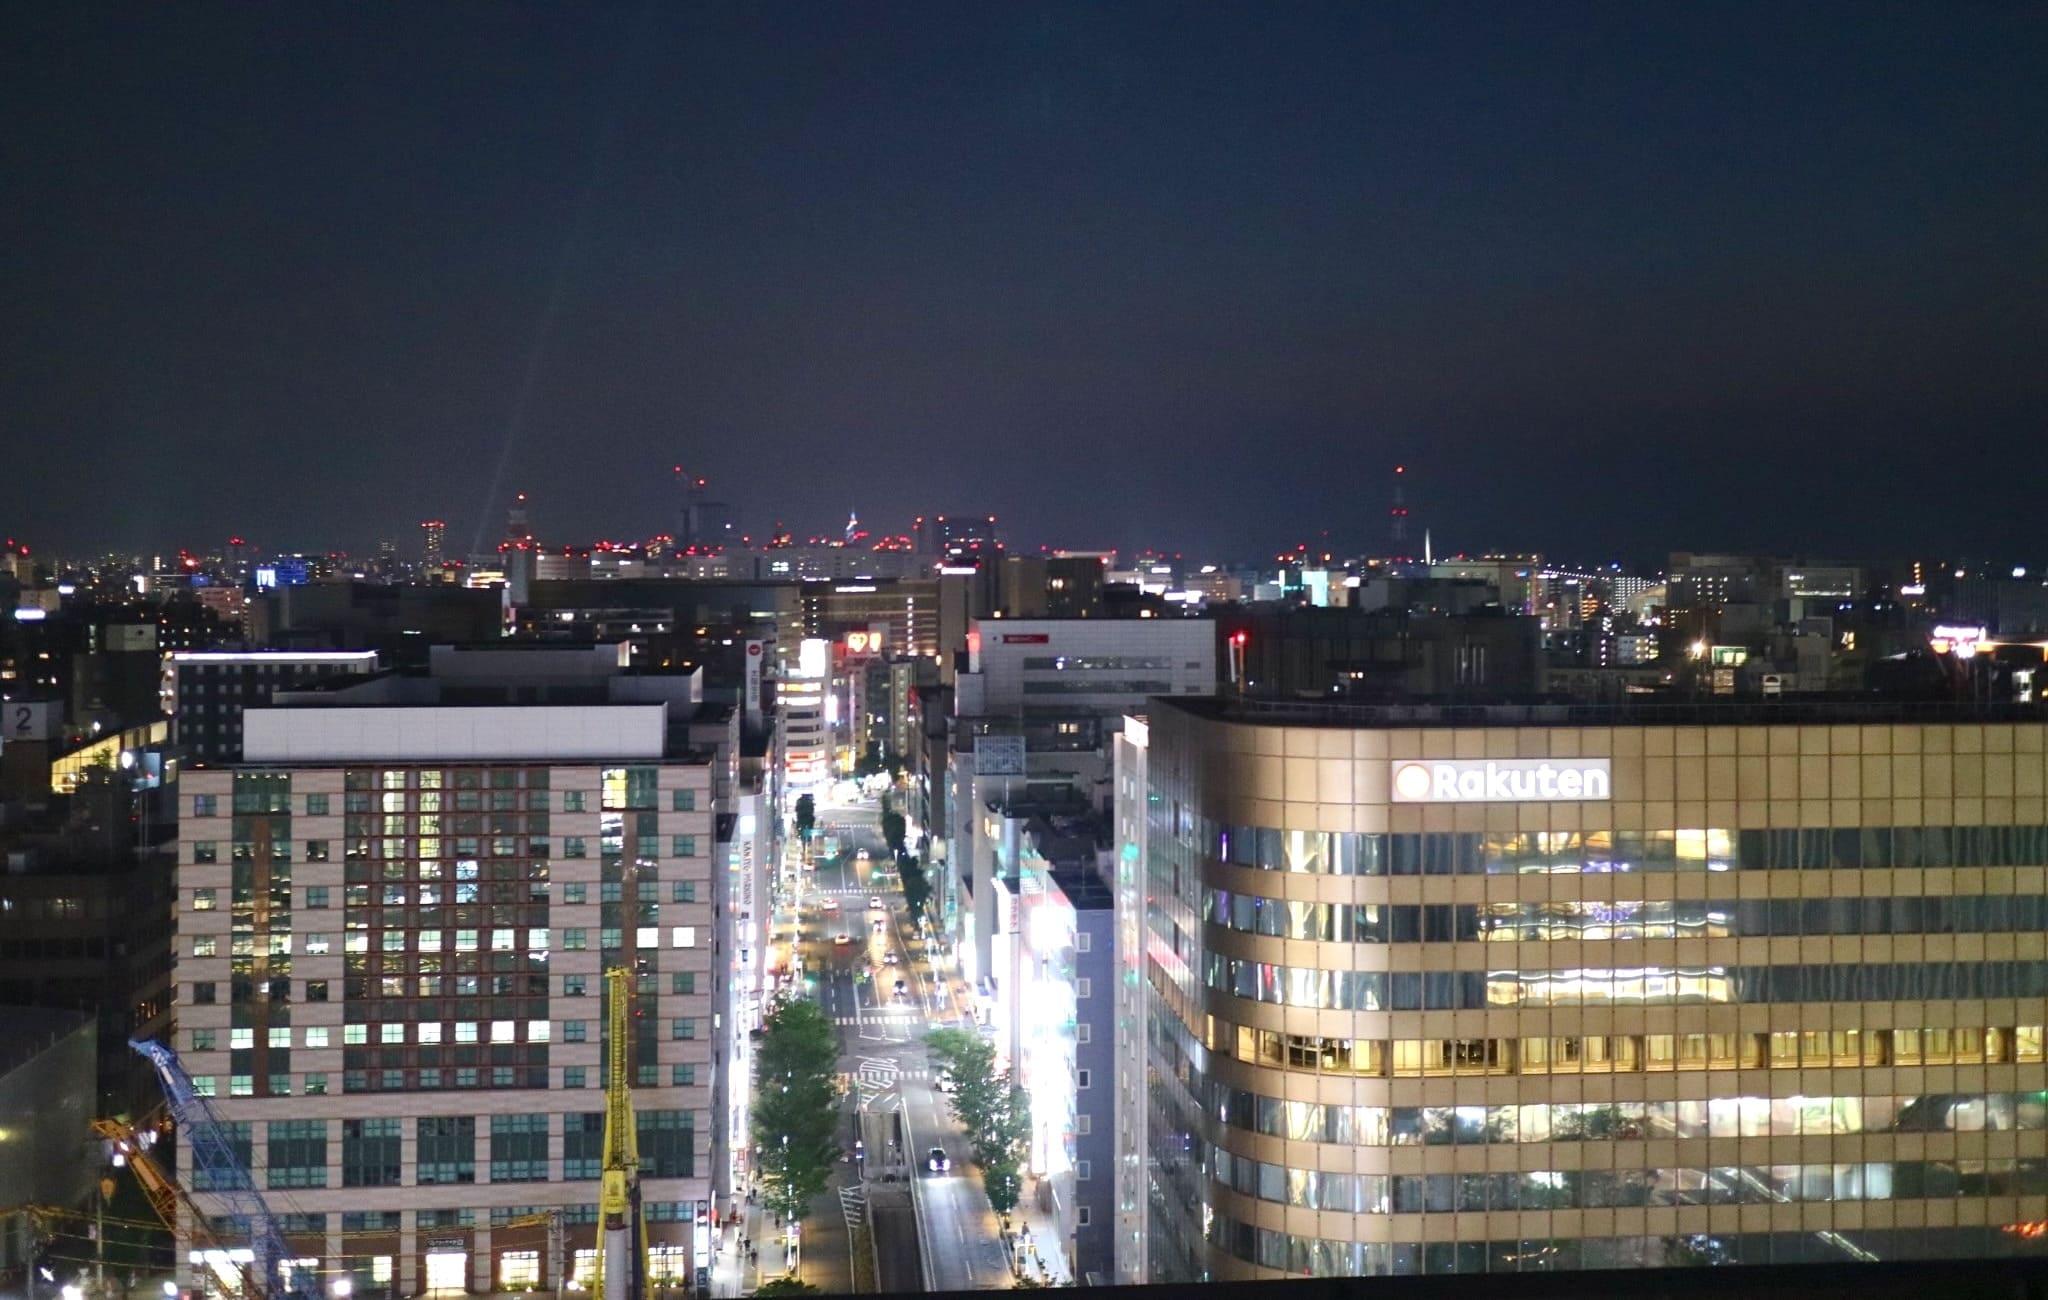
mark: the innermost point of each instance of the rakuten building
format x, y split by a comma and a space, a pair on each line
1525, 988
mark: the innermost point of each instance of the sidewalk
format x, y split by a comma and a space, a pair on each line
731, 1273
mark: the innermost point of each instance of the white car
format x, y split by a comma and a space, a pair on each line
938, 1161
875, 904
890, 959
830, 905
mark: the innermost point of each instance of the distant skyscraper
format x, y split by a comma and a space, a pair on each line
1397, 518
961, 536
517, 526
707, 525
852, 525
433, 533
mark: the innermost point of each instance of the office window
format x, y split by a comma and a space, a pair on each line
203, 900
316, 990
572, 800
316, 1085
1084, 941
202, 1040
205, 805
1084, 1125
241, 1085
573, 985
446, 1150
683, 846
204, 1085
519, 1148
318, 851
1084, 987
316, 1036
683, 982
204, 993
1084, 1170
582, 1141
316, 896
1081, 1215
204, 851
369, 1152
280, 1036
572, 1077
683, 800
316, 805
298, 1153
1084, 1033
684, 891
575, 893
668, 1142
683, 1076
205, 945
1083, 1079
683, 936
575, 939
683, 1028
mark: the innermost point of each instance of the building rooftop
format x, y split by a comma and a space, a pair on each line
27, 1032
1807, 710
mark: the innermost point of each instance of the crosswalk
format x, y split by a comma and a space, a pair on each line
880, 1016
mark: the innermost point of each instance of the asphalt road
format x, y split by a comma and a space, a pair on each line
883, 1034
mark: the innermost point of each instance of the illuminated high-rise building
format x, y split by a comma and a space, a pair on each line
1497, 989
433, 538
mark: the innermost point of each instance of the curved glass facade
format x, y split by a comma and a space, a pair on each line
1800, 969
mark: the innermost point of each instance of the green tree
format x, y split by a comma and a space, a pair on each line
917, 886
892, 830
787, 1286
1004, 1184
806, 816
796, 1114
1008, 1135
968, 1063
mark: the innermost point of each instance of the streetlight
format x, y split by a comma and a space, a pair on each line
343, 1287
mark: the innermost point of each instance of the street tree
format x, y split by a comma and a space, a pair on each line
968, 1063
795, 1115
806, 816
1007, 1139
787, 1286
1004, 1184
893, 828
917, 886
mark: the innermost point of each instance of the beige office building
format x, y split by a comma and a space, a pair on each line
393, 923
1548, 989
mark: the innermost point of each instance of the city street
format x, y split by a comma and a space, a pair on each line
957, 1236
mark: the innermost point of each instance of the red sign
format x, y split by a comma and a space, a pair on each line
1026, 638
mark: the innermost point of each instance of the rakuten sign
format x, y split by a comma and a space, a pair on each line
1510, 780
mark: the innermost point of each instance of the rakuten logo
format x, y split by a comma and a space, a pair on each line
1513, 780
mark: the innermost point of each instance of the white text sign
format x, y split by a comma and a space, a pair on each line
1499, 780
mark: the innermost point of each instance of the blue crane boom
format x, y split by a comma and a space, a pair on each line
224, 1173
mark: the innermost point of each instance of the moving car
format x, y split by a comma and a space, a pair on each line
938, 1161
842, 938
901, 988
875, 904
830, 905
890, 959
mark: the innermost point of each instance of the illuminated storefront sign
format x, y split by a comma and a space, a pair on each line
1514, 780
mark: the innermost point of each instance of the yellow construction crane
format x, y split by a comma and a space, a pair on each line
621, 1235
166, 1194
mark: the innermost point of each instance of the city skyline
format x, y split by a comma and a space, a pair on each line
1722, 273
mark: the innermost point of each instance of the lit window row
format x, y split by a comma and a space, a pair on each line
1616, 1054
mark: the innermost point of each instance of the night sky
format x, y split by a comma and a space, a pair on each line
1608, 278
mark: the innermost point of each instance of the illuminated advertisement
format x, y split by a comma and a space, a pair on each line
1519, 780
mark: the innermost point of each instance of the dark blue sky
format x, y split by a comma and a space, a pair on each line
1607, 277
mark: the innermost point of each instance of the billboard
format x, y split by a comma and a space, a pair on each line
1512, 780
